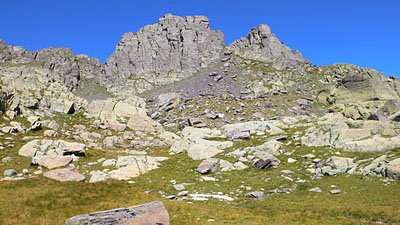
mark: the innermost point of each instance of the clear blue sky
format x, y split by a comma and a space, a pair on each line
362, 32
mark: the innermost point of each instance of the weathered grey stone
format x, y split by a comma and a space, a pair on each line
240, 166
316, 189
109, 162
179, 187
50, 133
7, 159
196, 122
64, 175
205, 197
393, 169
197, 146
146, 214
117, 126
238, 134
337, 165
98, 176
266, 149
53, 161
199, 151
391, 107
226, 165
335, 191
375, 144
267, 162
208, 166
9, 172
132, 166
110, 142
255, 194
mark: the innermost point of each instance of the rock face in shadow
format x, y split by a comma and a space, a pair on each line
163, 52
260, 44
147, 214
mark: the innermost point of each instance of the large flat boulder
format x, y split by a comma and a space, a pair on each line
54, 161
64, 175
144, 124
147, 214
132, 166
196, 143
375, 144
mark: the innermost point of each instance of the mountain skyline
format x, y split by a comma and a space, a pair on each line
356, 32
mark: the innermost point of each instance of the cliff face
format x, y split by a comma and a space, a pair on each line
165, 50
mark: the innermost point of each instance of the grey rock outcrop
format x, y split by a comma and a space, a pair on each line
363, 84
267, 162
149, 213
165, 52
33, 88
64, 65
260, 44
208, 166
52, 154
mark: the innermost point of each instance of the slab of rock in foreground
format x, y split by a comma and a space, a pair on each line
64, 175
147, 214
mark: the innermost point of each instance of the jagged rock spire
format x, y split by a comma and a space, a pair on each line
261, 44
173, 45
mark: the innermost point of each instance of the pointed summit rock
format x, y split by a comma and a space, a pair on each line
261, 44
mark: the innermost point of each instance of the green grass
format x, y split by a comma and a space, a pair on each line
364, 199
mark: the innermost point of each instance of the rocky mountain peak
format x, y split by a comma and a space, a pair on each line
170, 47
262, 31
260, 44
